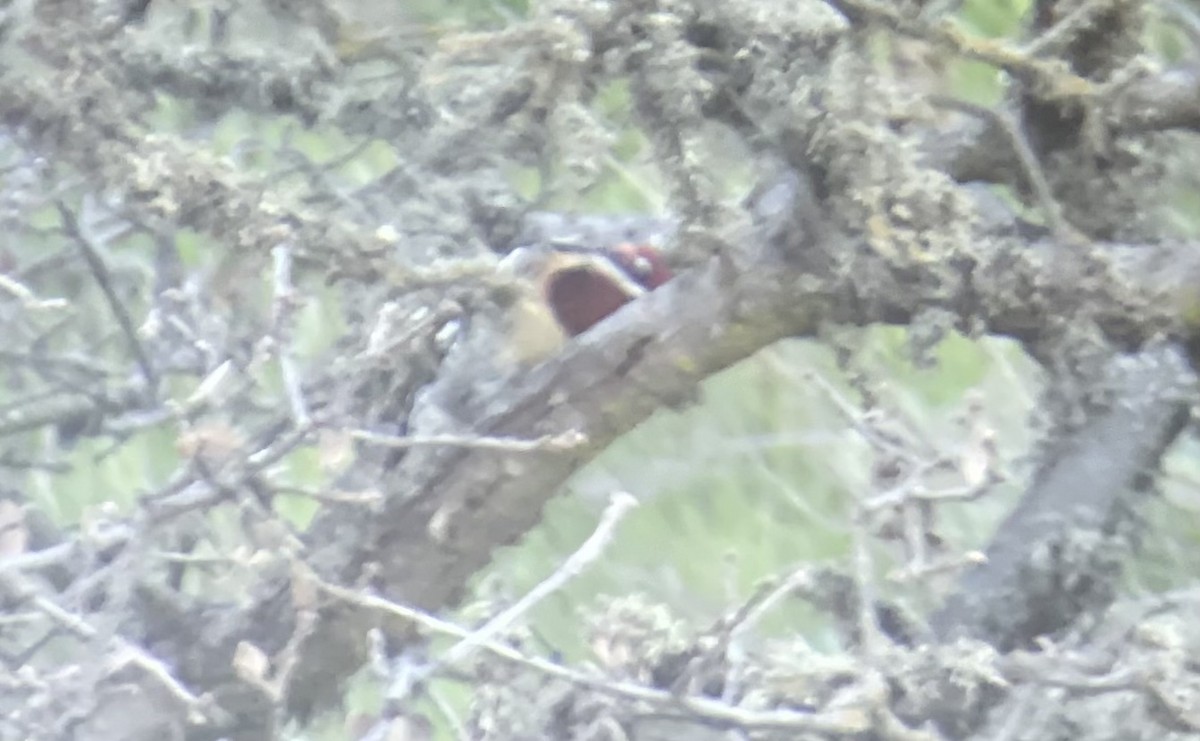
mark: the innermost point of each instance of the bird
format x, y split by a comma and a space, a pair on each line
566, 289
547, 293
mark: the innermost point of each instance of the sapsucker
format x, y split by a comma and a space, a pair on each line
565, 290
550, 293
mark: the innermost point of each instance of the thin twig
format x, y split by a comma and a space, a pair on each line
22, 590
104, 279
622, 503
186, 494
27, 297
552, 443
283, 310
131, 653
1051, 78
207, 389
799, 578
836, 722
1068, 28
858, 419
289, 658
1028, 159
871, 635
915, 572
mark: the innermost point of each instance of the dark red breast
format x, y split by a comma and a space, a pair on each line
583, 292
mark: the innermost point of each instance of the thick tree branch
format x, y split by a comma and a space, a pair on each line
1051, 559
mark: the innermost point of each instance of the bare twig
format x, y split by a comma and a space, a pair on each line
860, 420
27, 297
104, 279
549, 443
1068, 28
917, 571
289, 658
186, 494
23, 590
1030, 164
843, 721
133, 654
1052, 80
283, 310
800, 578
871, 635
592, 548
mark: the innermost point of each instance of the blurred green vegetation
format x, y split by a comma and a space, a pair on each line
757, 477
